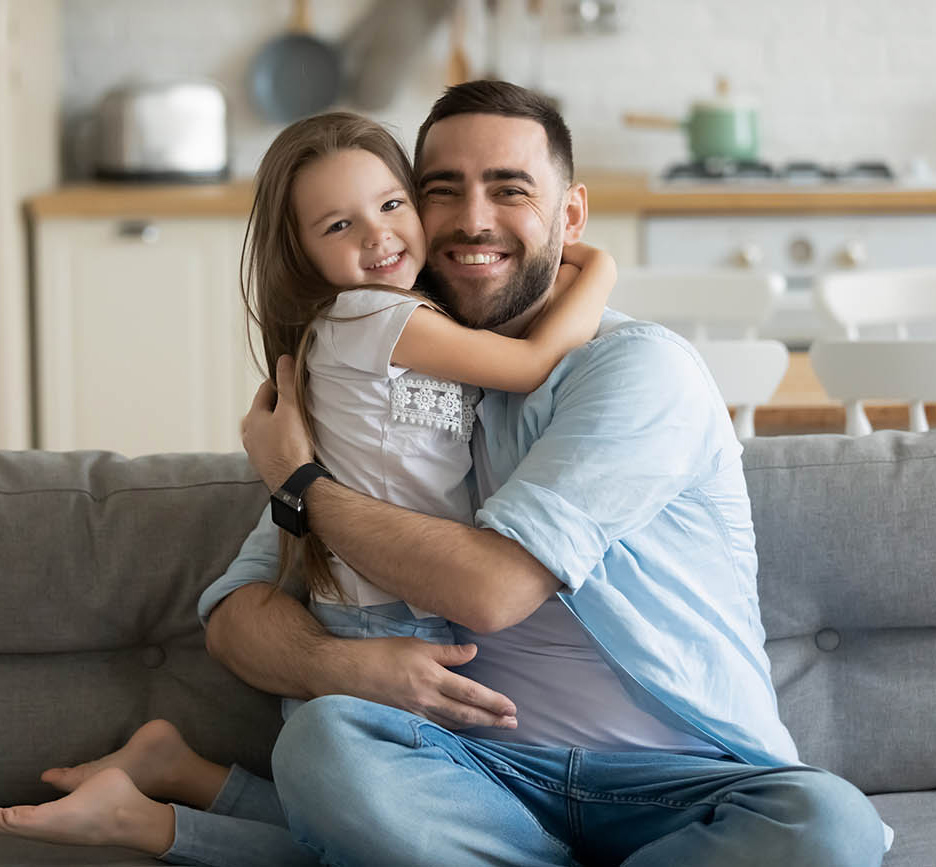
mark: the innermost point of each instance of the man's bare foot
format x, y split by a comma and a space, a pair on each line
106, 810
159, 763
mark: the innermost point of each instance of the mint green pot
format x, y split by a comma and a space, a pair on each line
717, 132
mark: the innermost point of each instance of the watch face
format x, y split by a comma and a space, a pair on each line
290, 516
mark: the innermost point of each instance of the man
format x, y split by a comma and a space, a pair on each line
626, 713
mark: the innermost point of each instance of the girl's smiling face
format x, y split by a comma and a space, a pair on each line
356, 221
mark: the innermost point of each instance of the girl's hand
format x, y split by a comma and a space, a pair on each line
567, 275
578, 254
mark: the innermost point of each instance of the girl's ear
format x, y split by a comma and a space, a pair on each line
576, 213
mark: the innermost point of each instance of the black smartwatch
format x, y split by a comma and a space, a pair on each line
289, 511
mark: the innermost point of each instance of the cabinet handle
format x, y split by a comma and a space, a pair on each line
853, 255
750, 255
139, 230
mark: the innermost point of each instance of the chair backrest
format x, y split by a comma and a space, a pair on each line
698, 297
747, 373
897, 297
856, 370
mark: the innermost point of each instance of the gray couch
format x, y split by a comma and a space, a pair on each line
103, 560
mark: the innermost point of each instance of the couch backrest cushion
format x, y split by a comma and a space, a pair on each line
846, 541
102, 562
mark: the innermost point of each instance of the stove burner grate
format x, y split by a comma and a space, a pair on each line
795, 172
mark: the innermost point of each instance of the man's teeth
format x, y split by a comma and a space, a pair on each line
477, 258
390, 260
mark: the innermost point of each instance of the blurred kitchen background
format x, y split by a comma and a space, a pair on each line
119, 318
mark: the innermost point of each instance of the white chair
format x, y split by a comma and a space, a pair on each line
747, 373
856, 370
860, 369
698, 298
898, 297
692, 301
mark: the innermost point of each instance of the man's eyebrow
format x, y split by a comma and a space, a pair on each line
441, 175
508, 175
488, 175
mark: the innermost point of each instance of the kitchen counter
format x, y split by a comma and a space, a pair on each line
799, 406
144, 200
608, 193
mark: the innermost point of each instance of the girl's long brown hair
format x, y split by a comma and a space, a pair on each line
282, 289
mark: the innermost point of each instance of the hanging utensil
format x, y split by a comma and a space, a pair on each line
384, 46
297, 74
458, 69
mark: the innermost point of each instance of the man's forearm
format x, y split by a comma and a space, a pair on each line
273, 643
475, 577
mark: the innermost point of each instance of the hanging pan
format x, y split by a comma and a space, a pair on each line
296, 74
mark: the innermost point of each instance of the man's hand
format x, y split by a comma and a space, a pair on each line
274, 437
414, 675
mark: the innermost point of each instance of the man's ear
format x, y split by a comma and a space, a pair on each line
576, 213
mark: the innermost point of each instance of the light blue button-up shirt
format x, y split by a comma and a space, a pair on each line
623, 476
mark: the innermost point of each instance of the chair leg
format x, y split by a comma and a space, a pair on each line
856, 422
744, 422
918, 420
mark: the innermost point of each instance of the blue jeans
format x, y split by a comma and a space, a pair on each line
362, 783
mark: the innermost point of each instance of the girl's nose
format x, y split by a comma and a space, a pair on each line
377, 235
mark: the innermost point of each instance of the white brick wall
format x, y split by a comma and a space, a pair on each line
837, 80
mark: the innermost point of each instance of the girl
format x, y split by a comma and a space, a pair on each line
333, 251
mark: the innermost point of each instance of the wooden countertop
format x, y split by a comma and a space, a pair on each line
144, 200
608, 193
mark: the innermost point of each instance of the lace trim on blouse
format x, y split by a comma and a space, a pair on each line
438, 403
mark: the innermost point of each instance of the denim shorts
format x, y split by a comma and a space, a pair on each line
390, 620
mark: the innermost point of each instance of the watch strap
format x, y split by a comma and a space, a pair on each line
299, 481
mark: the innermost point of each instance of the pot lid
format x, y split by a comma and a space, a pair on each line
724, 99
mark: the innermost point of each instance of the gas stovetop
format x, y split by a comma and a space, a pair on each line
792, 173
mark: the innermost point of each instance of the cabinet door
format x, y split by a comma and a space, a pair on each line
616, 233
140, 345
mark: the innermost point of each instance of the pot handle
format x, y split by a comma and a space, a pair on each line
652, 121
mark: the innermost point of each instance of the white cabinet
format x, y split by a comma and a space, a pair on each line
140, 335
29, 97
616, 233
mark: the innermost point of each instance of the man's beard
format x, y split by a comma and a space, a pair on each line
524, 287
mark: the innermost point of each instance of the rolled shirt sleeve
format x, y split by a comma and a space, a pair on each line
627, 432
257, 561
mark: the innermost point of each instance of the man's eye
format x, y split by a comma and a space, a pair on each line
439, 191
511, 191
337, 226
392, 205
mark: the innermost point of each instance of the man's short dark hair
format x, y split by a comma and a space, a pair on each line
508, 100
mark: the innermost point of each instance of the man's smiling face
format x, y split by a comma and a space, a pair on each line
491, 202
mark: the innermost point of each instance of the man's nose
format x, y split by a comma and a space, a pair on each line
476, 214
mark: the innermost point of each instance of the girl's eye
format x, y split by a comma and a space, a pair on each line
337, 226
392, 205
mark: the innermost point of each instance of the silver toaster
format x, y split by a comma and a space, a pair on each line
167, 132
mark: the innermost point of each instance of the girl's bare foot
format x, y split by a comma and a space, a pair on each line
159, 763
106, 810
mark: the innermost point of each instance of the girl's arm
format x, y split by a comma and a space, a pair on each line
433, 344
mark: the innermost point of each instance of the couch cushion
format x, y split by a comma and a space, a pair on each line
846, 540
911, 815
102, 561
